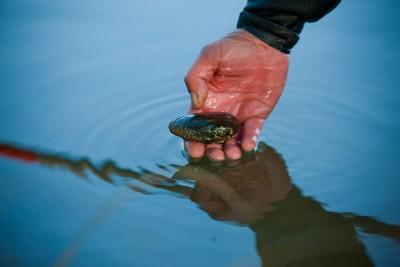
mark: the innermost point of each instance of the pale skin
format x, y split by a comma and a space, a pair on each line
241, 75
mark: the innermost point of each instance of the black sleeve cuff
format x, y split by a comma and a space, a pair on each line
273, 34
279, 22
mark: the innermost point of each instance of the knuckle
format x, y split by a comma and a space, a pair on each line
188, 80
205, 49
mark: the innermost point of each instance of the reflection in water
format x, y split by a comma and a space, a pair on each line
290, 229
108, 171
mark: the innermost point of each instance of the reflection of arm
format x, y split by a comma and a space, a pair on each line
372, 226
299, 232
279, 22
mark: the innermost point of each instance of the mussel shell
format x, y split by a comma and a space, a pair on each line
216, 127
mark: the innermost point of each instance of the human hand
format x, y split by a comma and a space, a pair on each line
241, 75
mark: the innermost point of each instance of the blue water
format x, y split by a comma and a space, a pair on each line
100, 80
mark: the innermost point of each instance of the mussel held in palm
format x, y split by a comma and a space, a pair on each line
206, 128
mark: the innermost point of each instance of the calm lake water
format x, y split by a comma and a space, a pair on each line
91, 176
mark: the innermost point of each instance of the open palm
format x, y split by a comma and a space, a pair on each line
241, 75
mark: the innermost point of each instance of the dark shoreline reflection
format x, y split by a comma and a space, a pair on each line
290, 228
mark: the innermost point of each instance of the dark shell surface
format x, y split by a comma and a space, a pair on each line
206, 128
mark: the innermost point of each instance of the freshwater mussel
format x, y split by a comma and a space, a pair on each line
215, 127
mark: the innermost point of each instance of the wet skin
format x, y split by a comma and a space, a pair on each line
241, 75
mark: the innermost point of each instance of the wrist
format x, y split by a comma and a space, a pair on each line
250, 37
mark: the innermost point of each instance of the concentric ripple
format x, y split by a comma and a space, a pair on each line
137, 127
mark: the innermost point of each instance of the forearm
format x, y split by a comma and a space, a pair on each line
279, 22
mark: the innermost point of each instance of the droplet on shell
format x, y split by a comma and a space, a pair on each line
216, 127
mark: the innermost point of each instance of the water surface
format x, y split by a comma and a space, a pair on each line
91, 176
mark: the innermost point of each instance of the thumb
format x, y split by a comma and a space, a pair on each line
198, 90
199, 76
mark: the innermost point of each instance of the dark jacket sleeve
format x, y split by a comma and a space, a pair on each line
279, 22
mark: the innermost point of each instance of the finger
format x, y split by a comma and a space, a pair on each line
198, 78
232, 150
251, 131
195, 149
214, 152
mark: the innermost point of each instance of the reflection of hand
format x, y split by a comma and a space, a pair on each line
242, 193
241, 75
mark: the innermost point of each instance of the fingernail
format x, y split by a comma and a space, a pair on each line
195, 100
